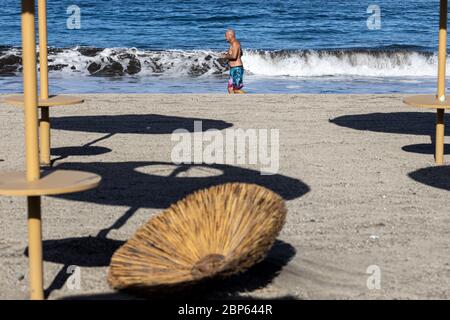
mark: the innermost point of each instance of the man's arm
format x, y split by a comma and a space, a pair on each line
233, 52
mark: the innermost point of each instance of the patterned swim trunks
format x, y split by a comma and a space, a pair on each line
236, 80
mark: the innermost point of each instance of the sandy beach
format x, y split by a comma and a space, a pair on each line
357, 172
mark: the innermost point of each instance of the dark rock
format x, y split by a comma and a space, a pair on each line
208, 57
114, 69
73, 68
94, 67
9, 65
198, 70
10, 60
134, 66
89, 52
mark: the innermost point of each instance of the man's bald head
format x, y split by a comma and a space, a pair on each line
230, 35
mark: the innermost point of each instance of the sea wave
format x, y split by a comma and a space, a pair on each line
116, 62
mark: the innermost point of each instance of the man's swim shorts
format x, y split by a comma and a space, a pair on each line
236, 80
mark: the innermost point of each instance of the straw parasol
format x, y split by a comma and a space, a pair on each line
45, 100
30, 183
438, 101
212, 233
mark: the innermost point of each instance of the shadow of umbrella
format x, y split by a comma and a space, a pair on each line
437, 177
255, 278
125, 124
82, 252
149, 185
134, 124
412, 123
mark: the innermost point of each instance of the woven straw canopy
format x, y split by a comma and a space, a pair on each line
211, 233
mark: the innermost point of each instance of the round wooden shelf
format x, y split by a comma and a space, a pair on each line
52, 101
51, 183
426, 101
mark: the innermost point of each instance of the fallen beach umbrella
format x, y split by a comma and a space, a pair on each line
45, 101
30, 183
438, 101
212, 233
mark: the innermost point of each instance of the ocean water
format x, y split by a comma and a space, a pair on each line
290, 46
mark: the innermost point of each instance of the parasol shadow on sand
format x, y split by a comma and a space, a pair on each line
150, 185
153, 184
437, 177
109, 125
133, 124
410, 123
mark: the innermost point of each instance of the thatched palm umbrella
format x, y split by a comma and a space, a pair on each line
45, 100
211, 233
438, 101
30, 183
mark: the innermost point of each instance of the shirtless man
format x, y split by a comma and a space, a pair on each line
234, 54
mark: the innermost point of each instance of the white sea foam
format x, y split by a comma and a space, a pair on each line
204, 63
336, 63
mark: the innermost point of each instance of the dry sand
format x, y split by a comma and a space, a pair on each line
362, 190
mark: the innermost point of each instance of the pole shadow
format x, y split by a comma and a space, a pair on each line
65, 152
424, 148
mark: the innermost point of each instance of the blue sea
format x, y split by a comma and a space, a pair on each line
290, 46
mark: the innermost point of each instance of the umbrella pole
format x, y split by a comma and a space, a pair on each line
44, 123
32, 148
442, 64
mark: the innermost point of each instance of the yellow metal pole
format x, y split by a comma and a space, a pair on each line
35, 248
32, 147
43, 54
44, 130
44, 123
442, 64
